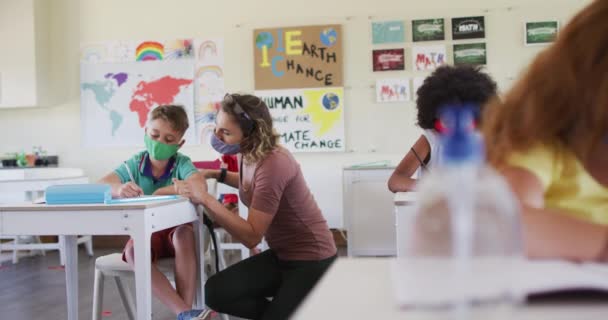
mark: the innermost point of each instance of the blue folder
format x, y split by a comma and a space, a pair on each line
78, 194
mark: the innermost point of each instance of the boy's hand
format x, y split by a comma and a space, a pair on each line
129, 190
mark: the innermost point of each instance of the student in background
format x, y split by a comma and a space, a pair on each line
448, 85
549, 138
151, 172
281, 208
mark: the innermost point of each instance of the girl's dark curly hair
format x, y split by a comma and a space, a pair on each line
452, 85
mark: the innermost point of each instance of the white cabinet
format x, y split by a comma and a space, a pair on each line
369, 215
18, 185
24, 62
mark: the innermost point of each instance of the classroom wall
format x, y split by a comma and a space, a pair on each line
373, 131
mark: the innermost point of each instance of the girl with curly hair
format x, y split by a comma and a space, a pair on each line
448, 85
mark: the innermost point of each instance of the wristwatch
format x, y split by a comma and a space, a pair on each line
222, 176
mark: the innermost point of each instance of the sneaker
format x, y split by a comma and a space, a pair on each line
195, 315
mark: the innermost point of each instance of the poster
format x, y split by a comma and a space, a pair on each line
95, 53
115, 98
468, 28
308, 120
178, 49
428, 58
470, 53
388, 32
122, 51
209, 84
298, 57
388, 59
428, 30
121, 81
136, 51
392, 90
540, 32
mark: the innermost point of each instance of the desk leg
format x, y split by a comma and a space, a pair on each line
200, 254
71, 275
143, 274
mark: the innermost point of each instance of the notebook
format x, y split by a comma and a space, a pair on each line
433, 281
141, 199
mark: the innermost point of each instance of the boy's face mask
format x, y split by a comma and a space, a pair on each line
159, 150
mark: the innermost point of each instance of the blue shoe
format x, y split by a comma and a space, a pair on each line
195, 315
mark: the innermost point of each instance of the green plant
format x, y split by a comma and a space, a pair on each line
21, 159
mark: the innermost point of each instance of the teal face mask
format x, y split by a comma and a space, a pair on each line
159, 150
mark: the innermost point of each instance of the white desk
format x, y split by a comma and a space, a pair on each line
361, 288
404, 209
139, 220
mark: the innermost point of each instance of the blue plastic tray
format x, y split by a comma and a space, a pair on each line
78, 194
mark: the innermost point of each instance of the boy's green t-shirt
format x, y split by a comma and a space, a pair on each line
179, 166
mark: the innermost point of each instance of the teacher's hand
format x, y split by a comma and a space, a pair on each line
194, 188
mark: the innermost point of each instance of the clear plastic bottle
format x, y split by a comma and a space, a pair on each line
464, 239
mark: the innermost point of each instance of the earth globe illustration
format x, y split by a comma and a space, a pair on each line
329, 36
331, 101
264, 39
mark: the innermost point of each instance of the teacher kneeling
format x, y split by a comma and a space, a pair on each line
282, 210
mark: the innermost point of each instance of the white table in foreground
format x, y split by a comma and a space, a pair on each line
361, 288
139, 220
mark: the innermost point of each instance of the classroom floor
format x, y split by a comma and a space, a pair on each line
34, 288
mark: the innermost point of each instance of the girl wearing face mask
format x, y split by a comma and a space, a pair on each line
281, 209
151, 172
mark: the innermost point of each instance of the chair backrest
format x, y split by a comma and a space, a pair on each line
209, 165
230, 160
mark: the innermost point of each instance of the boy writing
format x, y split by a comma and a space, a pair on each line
151, 172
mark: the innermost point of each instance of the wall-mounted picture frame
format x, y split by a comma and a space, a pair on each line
540, 32
470, 54
388, 59
468, 28
428, 30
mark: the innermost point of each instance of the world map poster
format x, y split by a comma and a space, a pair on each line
117, 97
121, 81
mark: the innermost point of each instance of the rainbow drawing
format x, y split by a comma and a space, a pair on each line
207, 45
149, 51
94, 54
209, 69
